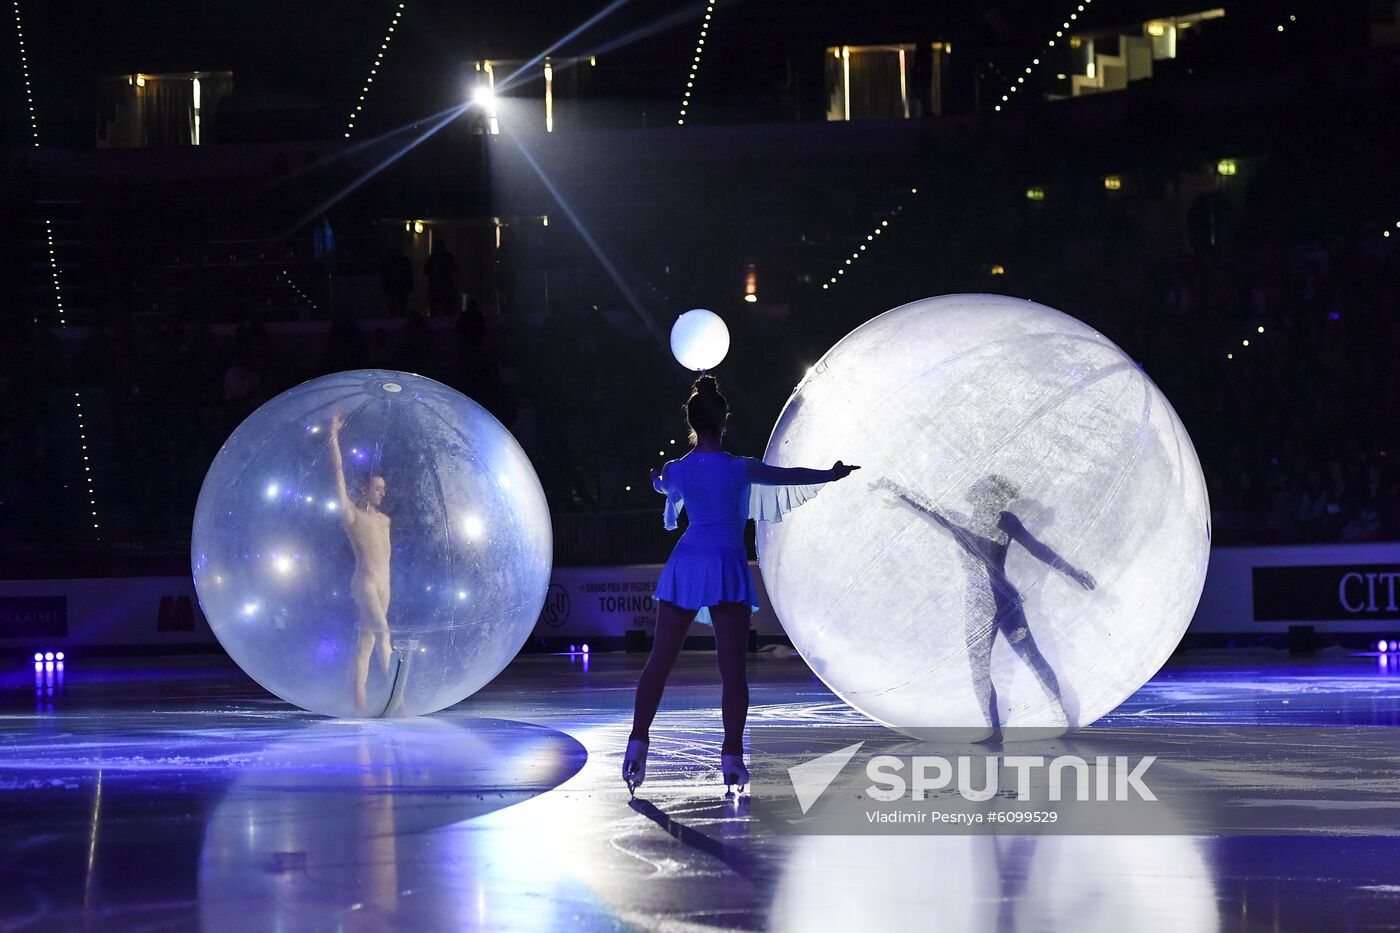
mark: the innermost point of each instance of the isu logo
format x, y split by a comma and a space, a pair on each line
556, 607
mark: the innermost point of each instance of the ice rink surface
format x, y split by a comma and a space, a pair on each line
152, 794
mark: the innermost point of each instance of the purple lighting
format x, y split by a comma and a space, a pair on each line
327, 649
1334, 316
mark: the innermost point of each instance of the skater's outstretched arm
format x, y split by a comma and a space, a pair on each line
774, 491
1042, 551
767, 475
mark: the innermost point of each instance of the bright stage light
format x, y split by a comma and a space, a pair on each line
483, 96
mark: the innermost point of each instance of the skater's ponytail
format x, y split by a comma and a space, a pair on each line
706, 410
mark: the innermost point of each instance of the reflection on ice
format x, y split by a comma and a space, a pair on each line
339, 818
970, 884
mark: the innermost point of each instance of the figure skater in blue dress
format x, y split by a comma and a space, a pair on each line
707, 576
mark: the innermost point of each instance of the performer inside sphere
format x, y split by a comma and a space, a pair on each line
368, 530
995, 604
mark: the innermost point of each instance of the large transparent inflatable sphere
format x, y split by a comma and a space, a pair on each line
1028, 537
371, 543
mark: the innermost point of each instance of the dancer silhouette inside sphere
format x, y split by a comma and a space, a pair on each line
707, 576
995, 604
368, 530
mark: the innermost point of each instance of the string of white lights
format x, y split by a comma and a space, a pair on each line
1035, 62
77, 395
54, 273
1244, 343
24, 72
87, 464
374, 70
286, 277
55, 278
860, 250
695, 62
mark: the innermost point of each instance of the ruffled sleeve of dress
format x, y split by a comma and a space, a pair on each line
674, 503
775, 491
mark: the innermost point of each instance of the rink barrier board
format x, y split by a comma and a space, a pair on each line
1257, 591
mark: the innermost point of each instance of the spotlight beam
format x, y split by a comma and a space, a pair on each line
570, 35
445, 117
636, 35
669, 21
354, 148
598, 253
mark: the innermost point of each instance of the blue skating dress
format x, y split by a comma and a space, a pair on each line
721, 492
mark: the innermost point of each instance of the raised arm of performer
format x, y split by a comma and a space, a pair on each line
343, 503
1042, 552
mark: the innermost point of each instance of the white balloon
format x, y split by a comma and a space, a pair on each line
699, 339
1012, 458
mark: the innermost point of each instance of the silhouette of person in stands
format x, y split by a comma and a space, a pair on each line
441, 272
994, 603
368, 530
